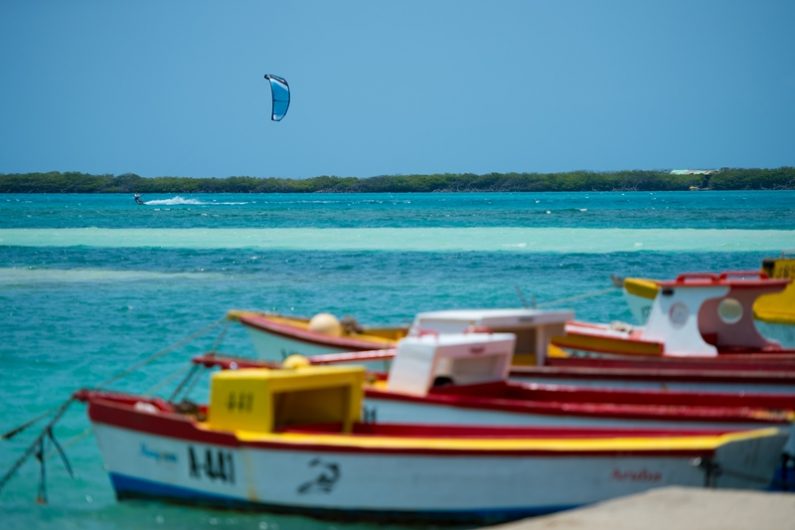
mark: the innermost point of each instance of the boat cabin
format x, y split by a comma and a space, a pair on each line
704, 314
266, 401
422, 362
533, 328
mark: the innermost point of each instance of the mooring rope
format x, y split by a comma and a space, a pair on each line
154, 389
190, 375
160, 353
72, 440
590, 294
18, 429
37, 447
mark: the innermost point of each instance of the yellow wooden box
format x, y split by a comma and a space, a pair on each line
263, 400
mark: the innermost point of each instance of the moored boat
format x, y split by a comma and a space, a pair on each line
537, 360
774, 314
292, 441
553, 338
697, 315
462, 379
276, 337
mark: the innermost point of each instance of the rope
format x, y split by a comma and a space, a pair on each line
185, 380
119, 375
72, 441
161, 353
190, 379
60, 451
41, 498
166, 380
190, 386
577, 297
221, 335
37, 447
521, 297
16, 430
38, 442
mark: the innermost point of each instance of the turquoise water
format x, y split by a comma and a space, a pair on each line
90, 284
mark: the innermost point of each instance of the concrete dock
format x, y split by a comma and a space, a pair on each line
675, 509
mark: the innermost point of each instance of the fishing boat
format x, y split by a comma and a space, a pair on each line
276, 336
455, 379
714, 311
774, 314
293, 441
536, 358
697, 315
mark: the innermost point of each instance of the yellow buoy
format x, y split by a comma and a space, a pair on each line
294, 361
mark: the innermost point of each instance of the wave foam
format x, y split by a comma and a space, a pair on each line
180, 201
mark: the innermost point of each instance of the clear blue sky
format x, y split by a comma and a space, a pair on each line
175, 87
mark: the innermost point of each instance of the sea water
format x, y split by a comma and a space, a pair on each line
92, 284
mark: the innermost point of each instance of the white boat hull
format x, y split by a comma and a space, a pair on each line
276, 348
399, 411
401, 486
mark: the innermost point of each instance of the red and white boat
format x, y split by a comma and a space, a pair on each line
697, 315
292, 441
276, 337
461, 379
479, 365
774, 314
535, 360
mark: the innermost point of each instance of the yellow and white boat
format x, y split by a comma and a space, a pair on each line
276, 336
292, 441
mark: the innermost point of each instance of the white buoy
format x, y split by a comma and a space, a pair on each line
327, 324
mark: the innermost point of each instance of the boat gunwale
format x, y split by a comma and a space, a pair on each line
261, 323
588, 409
109, 409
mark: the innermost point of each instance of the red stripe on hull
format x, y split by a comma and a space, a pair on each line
118, 411
586, 410
264, 325
576, 370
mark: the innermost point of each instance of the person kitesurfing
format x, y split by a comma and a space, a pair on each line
138, 200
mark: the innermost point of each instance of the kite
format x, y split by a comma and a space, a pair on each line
280, 95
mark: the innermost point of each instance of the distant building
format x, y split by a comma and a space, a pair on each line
693, 171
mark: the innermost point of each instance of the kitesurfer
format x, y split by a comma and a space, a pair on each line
138, 200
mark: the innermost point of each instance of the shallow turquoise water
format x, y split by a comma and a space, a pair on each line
91, 284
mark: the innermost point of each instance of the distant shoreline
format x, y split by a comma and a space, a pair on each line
641, 180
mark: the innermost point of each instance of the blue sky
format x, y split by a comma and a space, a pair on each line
159, 87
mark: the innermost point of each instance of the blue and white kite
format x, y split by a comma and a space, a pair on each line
280, 94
